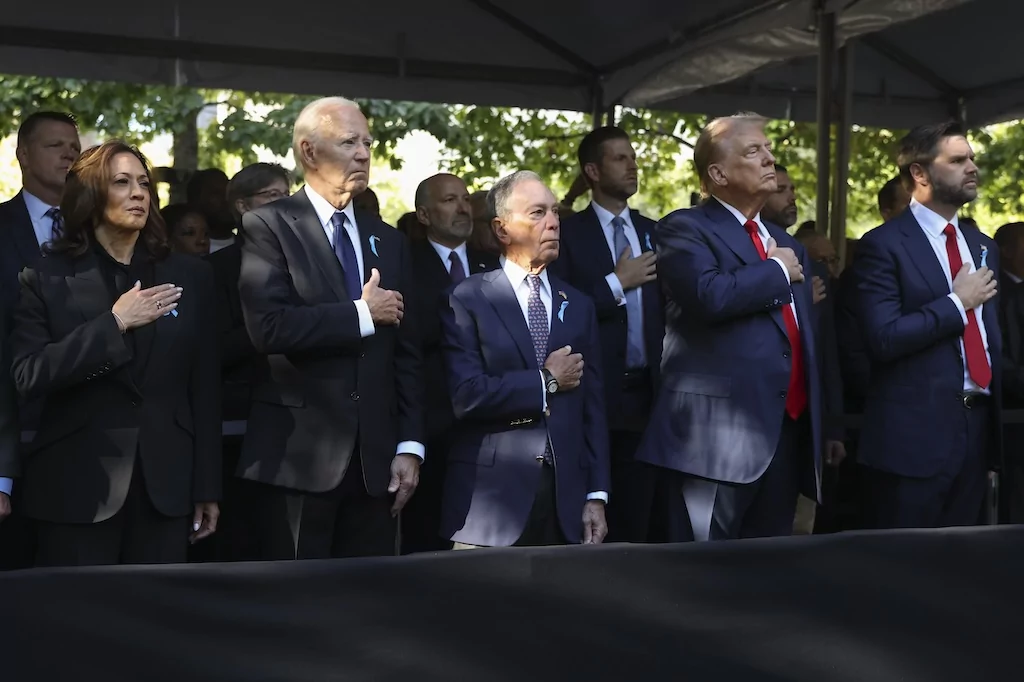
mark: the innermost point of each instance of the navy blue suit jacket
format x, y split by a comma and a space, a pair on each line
584, 261
913, 416
501, 428
726, 363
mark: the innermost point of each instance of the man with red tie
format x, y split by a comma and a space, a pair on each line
923, 296
739, 412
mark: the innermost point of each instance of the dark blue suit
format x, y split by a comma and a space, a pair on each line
720, 414
584, 260
926, 452
497, 397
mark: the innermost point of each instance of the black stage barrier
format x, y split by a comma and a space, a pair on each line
919, 606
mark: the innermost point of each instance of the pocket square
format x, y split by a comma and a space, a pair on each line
561, 311
373, 244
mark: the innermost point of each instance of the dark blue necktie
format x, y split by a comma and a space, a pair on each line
346, 254
457, 271
56, 224
537, 321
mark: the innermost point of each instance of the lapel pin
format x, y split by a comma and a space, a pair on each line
984, 256
561, 310
562, 294
373, 244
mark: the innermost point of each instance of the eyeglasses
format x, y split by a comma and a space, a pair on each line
272, 194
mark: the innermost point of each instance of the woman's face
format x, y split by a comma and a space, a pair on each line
128, 194
191, 235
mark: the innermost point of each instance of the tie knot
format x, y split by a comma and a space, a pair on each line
949, 230
53, 213
534, 281
751, 227
618, 223
338, 219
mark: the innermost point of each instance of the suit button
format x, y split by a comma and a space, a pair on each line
354, 396
362, 355
136, 402
786, 355
782, 394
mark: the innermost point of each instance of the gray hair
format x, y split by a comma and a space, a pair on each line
497, 198
307, 124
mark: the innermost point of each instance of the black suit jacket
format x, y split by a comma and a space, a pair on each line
10, 461
325, 390
239, 358
584, 261
18, 250
433, 284
828, 356
1011, 320
96, 418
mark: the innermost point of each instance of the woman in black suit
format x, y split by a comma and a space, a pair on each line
119, 337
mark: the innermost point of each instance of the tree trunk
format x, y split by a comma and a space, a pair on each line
185, 150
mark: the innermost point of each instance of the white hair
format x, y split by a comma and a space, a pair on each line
497, 198
307, 124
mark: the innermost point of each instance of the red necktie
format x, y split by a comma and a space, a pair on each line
796, 396
974, 350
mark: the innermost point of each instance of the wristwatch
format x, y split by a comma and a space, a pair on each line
550, 382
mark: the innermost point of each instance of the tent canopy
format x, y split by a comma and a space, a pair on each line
955, 62
561, 54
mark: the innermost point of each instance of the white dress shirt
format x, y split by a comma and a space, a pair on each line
762, 232
218, 244
517, 278
42, 224
933, 224
325, 212
444, 253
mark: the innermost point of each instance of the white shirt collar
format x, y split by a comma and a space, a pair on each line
443, 252
37, 208
517, 275
742, 218
605, 217
325, 210
930, 221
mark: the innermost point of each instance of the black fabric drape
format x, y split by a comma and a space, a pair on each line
926, 605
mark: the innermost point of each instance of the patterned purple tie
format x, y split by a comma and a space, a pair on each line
57, 225
538, 323
457, 271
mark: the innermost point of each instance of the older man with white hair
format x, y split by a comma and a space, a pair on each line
528, 464
336, 428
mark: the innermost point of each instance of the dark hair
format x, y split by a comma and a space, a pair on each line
85, 200
249, 181
30, 124
194, 189
1008, 235
592, 146
175, 214
806, 227
888, 194
779, 168
921, 145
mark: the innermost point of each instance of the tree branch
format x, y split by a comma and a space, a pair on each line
665, 133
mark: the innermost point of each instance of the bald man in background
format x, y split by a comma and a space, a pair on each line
445, 211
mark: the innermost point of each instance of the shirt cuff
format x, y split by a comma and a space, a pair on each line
598, 495
366, 327
959, 306
618, 293
785, 270
411, 447
544, 393
6, 485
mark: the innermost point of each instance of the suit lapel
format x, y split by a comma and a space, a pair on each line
595, 241
922, 255
729, 230
643, 232
89, 294
307, 227
479, 261
369, 242
803, 316
989, 312
157, 339
559, 327
498, 291
24, 234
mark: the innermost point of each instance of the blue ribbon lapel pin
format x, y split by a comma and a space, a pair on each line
373, 244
